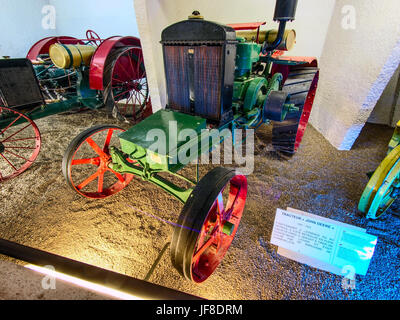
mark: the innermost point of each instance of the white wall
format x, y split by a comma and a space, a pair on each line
356, 65
21, 26
311, 24
21, 21
107, 18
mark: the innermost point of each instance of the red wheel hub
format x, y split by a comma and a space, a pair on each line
219, 228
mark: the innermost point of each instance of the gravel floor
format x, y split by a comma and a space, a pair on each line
38, 209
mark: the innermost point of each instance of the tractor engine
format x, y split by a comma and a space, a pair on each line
224, 75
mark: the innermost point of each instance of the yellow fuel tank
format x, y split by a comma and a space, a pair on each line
65, 56
288, 41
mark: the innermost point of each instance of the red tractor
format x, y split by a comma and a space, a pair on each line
64, 73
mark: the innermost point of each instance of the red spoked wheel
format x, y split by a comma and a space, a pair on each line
86, 160
126, 92
208, 224
20, 143
93, 37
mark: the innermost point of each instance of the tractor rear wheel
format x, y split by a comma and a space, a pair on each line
126, 92
301, 85
208, 223
20, 143
383, 188
86, 160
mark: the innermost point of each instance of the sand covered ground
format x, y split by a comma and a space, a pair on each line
38, 209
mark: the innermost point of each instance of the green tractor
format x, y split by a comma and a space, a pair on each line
218, 78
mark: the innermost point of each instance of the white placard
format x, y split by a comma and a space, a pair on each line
322, 243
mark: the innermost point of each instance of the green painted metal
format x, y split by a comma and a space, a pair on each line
255, 94
142, 169
138, 142
247, 53
90, 98
395, 141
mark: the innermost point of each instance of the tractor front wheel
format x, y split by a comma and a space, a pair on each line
208, 223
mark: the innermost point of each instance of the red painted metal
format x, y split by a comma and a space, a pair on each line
130, 81
93, 37
212, 244
306, 112
99, 58
20, 144
99, 158
305, 116
285, 69
312, 61
42, 46
246, 26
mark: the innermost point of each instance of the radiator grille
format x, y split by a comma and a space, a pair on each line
194, 79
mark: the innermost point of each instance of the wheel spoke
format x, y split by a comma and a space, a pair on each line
11, 124
100, 182
95, 147
207, 244
29, 124
108, 140
8, 162
23, 139
25, 148
118, 175
95, 161
88, 180
220, 205
16, 155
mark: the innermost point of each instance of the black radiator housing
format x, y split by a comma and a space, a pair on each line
199, 61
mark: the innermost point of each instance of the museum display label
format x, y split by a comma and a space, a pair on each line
322, 243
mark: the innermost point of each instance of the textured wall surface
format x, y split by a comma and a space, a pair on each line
387, 110
21, 21
356, 65
154, 15
107, 18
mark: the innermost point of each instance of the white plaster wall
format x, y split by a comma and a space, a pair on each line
356, 65
21, 26
311, 24
387, 110
107, 18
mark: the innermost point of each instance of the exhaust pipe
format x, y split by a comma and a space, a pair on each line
285, 10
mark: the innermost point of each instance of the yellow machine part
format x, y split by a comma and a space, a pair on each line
288, 42
65, 56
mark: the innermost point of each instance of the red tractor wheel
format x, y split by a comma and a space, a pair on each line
20, 143
208, 223
301, 85
86, 160
126, 90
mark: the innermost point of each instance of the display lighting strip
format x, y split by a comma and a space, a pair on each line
83, 283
